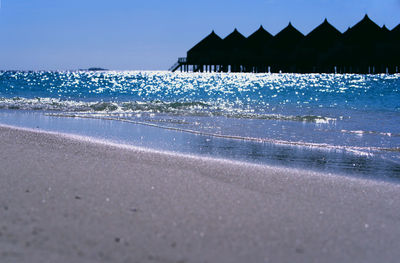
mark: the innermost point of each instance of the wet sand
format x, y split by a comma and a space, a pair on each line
70, 199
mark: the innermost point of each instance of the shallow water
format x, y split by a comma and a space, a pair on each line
337, 123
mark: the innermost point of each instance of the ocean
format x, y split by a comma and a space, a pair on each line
345, 124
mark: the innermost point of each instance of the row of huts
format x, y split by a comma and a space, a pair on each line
364, 48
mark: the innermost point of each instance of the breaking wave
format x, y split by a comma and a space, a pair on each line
196, 108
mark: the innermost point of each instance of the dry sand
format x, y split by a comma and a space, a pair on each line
65, 199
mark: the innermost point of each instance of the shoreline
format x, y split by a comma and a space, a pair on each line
347, 161
69, 198
124, 145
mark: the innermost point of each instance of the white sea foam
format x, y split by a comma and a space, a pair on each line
197, 108
361, 133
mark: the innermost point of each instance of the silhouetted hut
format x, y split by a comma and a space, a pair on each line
384, 51
364, 32
395, 50
234, 51
284, 46
360, 46
363, 48
258, 50
317, 49
206, 52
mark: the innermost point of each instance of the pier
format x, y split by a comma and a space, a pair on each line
365, 48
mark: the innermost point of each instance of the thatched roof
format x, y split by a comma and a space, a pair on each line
260, 36
364, 32
323, 36
318, 46
234, 48
234, 40
361, 39
288, 37
257, 46
209, 42
284, 47
207, 51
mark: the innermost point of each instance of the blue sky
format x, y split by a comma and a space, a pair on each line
152, 34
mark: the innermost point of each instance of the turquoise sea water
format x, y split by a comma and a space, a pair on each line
338, 123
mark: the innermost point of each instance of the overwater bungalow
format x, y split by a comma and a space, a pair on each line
317, 49
384, 51
285, 55
359, 51
258, 51
395, 50
233, 52
362, 48
206, 53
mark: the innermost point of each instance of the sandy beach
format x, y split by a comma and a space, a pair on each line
71, 199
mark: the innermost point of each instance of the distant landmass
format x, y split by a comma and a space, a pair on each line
92, 69
96, 69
